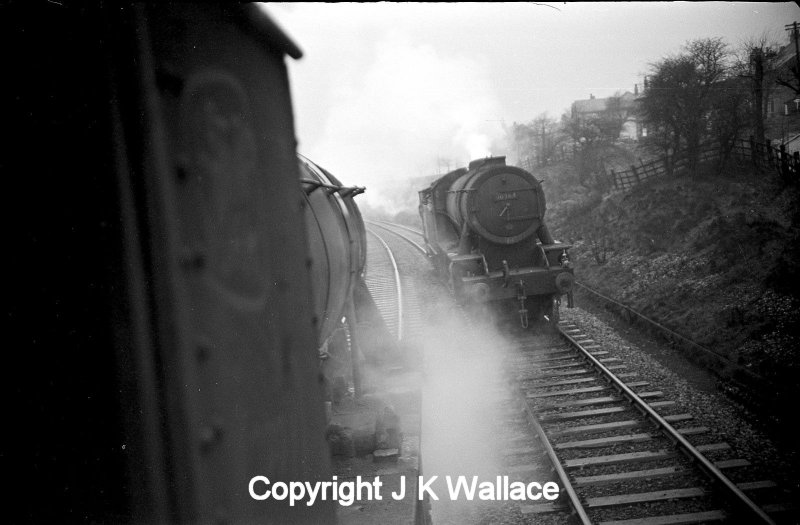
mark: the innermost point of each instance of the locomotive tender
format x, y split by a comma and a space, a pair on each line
337, 241
485, 232
162, 304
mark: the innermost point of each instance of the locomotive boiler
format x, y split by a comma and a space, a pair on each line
485, 233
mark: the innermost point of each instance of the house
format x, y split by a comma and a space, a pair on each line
619, 107
782, 119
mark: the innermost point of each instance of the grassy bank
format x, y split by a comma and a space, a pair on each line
712, 257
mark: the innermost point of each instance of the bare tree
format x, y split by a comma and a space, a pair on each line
594, 139
790, 76
678, 104
540, 138
754, 61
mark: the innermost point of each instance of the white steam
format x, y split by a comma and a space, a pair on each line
377, 106
413, 108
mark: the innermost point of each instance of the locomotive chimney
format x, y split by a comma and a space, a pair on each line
494, 161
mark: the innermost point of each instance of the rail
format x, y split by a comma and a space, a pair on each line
566, 483
757, 386
733, 492
388, 227
574, 499
730, 490
398, 287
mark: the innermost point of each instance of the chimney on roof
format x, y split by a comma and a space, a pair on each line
591, 97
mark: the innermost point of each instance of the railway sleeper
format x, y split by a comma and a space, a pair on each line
647, 474
599, 388
571, 392
558, 367
541, 508
604, 442
596, 401
574, 381
527, 356
582, 371
597, 412
635, 457
522, 451
626, 438
564, 382
528, 468
644, 497
555, 359
616, 459
664, 495
707, 516
615, 425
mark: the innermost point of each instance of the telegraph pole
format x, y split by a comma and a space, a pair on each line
793, 28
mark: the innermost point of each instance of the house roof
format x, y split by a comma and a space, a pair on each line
792, 139
592, 105
598, 105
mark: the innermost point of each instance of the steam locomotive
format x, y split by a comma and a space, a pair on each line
485, 233
166, 248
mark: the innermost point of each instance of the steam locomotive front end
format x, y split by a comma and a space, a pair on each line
504, 249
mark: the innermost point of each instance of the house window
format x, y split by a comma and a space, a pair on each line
770, 107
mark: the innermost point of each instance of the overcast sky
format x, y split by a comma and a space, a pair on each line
384, 90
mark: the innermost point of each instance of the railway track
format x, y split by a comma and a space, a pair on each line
616, 439
464, 386
396, 294
622, 452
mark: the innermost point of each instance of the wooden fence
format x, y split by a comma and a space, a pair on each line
762, 156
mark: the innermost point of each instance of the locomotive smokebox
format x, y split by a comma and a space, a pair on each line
503, 204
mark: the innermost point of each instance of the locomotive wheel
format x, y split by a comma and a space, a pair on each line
550, 309
555, 313
541, 307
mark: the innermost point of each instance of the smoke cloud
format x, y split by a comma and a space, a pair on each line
394, 109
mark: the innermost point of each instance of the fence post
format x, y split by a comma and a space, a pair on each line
784, 163
635, 174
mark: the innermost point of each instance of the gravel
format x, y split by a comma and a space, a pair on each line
728, 421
